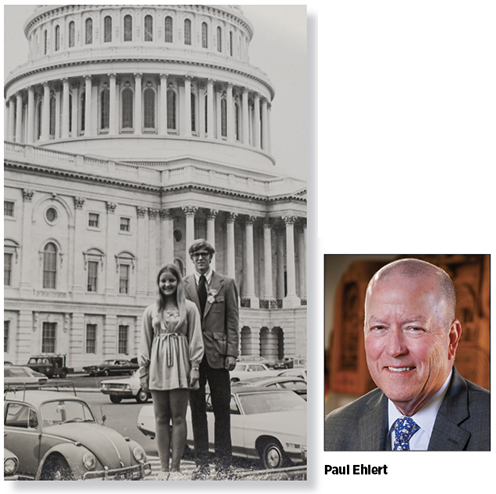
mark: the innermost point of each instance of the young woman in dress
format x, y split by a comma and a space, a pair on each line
171, 350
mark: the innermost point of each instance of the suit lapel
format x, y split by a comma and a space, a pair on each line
216, 284
373, 424
190, 289
446, 434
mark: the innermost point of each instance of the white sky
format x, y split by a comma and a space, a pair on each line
278, 48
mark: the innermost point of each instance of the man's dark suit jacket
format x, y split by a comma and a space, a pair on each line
220, 323
462, 423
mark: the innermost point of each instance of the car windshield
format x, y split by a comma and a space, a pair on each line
270, 402
38, 360
63, 411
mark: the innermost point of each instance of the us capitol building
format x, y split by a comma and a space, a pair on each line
129, 132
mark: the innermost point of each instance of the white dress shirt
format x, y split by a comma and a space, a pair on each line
424, 418
208, 277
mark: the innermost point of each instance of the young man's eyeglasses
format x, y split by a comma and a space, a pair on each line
197, 255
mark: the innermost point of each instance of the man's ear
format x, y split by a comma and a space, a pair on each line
455, 332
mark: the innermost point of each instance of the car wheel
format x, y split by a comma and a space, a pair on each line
63, 374
115, 399
56, 468
142, 396
273, 455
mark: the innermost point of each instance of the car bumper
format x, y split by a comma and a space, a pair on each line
128, 473
118, 392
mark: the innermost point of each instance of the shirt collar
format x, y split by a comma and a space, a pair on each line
208, 276
426, 416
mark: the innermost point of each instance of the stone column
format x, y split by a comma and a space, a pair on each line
152, 243
167, 232
110, 285
212, 214
87, 106
162, 111
187, 106
231, 245
246, 117
28, 252
250, 263
291, 300
269, 132
137, 104
265, 126
210, 109
58, 103
218, 113
280, 294
45, 113
30, 123
75, 105
18, 127
189, 212
65, 108
113, 107
256, 122
10, 123
268, 284
302, 258
142, 268
77, 274
230, 113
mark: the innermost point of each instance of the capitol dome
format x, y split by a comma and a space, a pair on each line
130, 131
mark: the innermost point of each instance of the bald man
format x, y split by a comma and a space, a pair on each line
421, 401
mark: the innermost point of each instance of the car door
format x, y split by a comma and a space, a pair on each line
22, 435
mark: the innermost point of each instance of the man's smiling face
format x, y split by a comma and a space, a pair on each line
410, 341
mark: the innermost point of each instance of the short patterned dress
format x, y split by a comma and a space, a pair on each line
169, 347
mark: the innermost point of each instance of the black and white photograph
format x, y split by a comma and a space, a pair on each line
155, 242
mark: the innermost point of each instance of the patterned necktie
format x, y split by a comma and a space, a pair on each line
202, 292
404, 429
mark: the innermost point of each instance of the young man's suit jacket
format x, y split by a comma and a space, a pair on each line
220, 323
462, 423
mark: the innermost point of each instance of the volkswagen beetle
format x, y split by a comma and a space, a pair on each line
56, 437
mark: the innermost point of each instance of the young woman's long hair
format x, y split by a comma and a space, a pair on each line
180, 297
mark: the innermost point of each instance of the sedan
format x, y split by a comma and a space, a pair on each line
295, 384
22, 375
266, 424
111, 367
245, 370
125, 388
56, 437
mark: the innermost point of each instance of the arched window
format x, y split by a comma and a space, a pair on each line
168, 36
204, 35
50, 266
219, 39
52, 114
148, 28
127, 108
206, 114
57, 38
39, 107
171, 109
104, 109
128, 28
223, 117
89, 31
187, 32
149, 108
107, 29
70, 112
193, 112
72, 32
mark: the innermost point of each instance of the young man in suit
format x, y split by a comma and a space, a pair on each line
216, 297
421, 402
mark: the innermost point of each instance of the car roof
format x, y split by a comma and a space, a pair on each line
239, 390
274, 379
37, 397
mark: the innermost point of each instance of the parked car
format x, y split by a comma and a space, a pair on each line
266, 424
244, 370
111, 367
258, 359
50, 365
56, 437
22, 375
10, 464
295, 384
125, 388
298, 372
